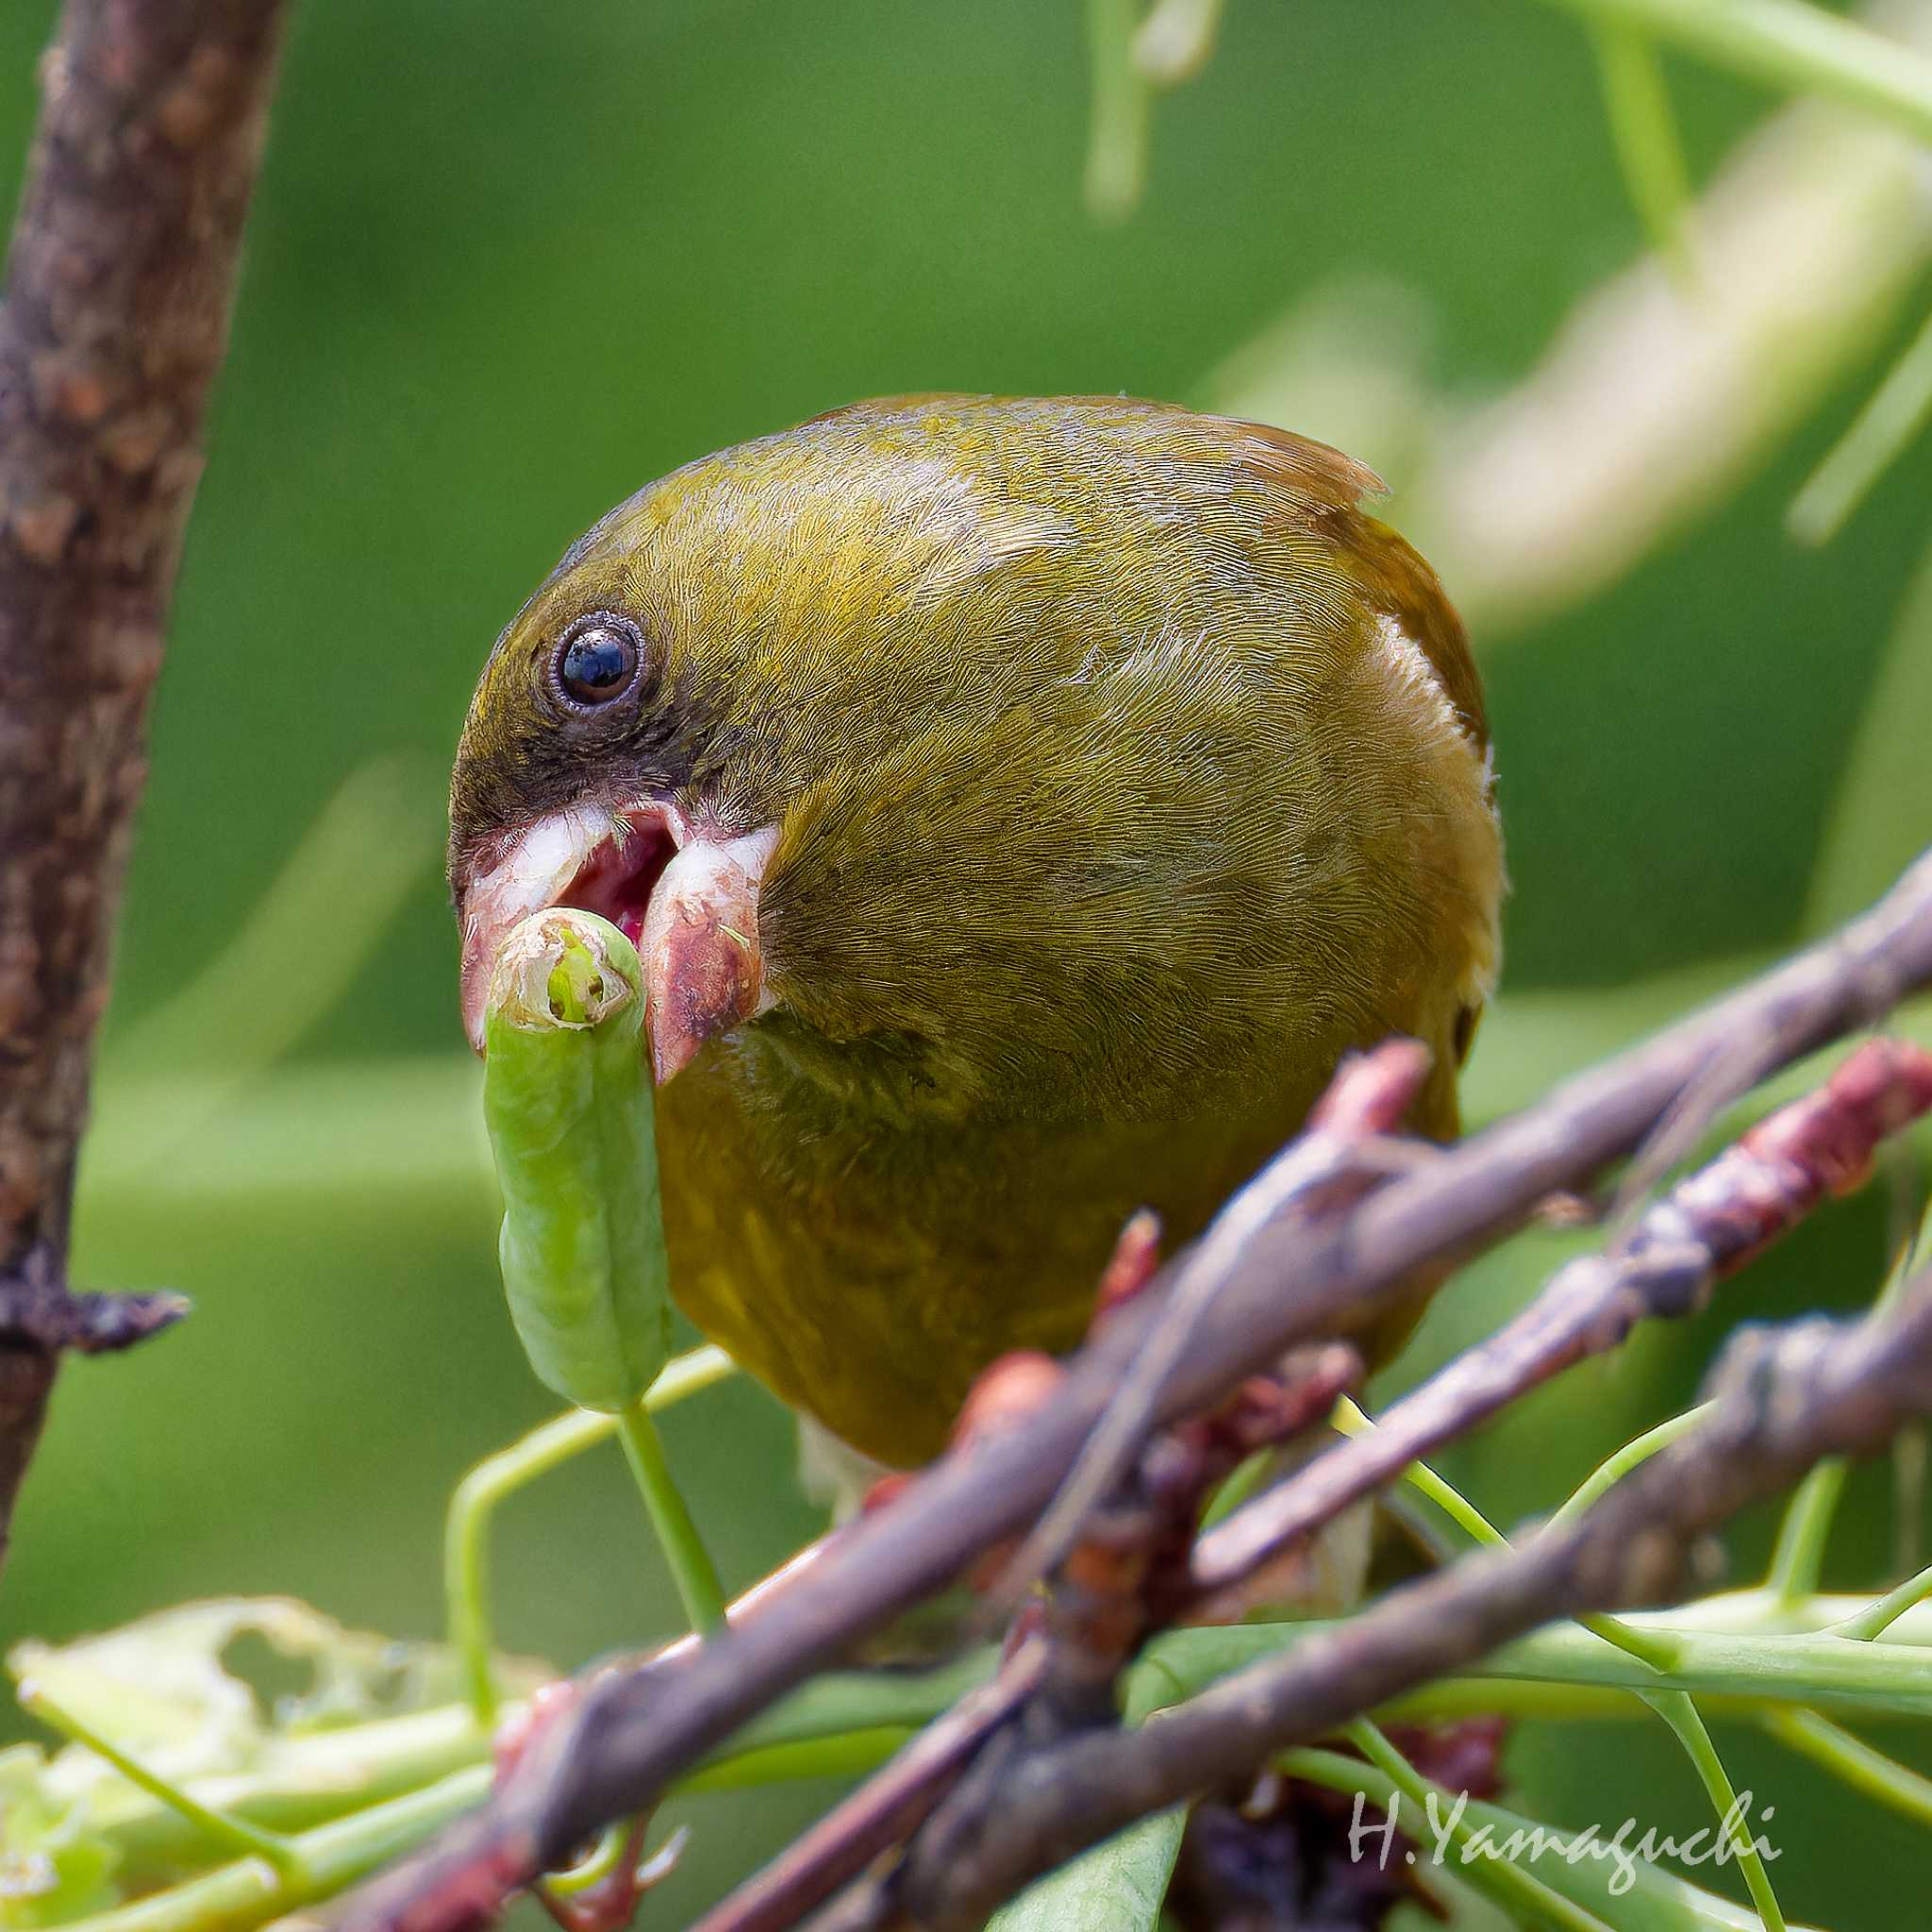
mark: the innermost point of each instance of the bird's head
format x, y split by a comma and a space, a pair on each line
724, 677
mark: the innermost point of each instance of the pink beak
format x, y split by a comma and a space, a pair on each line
689, 902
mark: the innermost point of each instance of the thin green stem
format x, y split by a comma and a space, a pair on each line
1351, 1420
1678, 1711
466, 1539
1854, 1761
692, 1568
1790, 46
1899, 408
1507, 1882
1880, 1617
252, 1891
1592, 1488
311, 1778
1660, 1651
473, 1509
1425, 1482
1117, 143
1644, 132
1755, 1613
1799, 1557
237, 1834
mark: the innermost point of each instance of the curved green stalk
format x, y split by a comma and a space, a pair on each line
473, 1509
1877, 1618
1678, 1711
1644, 132
1899, 408
692, 1568
1854, 1761
1352, 1419
1615, 1468
1508, 1883
1788, 46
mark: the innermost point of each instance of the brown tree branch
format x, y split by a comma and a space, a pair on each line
1786, 1398
1706, 1228
1290, 1278
885, 1810
114, 320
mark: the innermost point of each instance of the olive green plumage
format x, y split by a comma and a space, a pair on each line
1125, 775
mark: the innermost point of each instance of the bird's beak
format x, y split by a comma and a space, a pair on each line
687, 900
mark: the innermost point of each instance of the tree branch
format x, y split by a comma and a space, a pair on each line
114, 320
1786, 1398
1290, 1277
1706, 1229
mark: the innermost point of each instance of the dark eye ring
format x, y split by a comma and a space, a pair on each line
597, 661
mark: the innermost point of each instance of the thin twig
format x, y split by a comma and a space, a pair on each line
39, 1311
1785, 1399
1334, 1157
1707, 1230
885, 1810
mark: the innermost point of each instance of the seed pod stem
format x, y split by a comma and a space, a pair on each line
568, 1112
569, 1115
692, 1568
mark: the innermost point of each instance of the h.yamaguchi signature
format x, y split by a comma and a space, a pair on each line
1451, 1841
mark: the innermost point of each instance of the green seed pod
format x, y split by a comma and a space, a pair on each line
568, 1114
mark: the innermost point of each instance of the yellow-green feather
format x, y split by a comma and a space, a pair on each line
1128, 773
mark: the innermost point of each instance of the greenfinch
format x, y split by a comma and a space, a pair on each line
1020, 806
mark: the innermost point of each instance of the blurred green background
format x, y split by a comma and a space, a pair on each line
510, 261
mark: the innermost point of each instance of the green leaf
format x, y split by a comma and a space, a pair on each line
1117, 1887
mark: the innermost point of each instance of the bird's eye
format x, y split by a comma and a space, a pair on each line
597, 661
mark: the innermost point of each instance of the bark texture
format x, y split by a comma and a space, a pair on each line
114, 319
